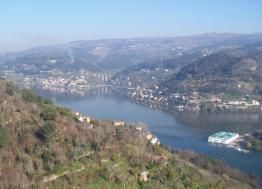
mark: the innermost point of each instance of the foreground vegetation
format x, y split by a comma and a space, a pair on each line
253, 141
44, 146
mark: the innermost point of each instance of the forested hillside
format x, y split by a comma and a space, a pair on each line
45, 146
235, 71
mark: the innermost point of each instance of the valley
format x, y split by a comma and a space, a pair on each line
44, 145
131, 94
210, 72
215, 75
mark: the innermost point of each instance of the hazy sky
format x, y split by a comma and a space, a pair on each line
29, 23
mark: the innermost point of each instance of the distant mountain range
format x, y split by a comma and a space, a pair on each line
233, 66
99, 55
213, 62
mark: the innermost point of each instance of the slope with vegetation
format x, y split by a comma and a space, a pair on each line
45, 146
236, 71
253, 141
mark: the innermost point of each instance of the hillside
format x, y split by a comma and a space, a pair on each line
116, 54
45, 146
235, 71
160, 70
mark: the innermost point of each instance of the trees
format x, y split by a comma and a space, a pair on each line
48, 112
30, 96
11, 88
119, 133
3, 137
2, 120
64, 111
47, 132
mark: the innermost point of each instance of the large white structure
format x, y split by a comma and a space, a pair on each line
119, 123
223, 137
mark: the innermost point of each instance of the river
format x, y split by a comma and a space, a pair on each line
182, 130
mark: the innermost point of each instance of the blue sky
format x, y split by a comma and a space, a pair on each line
29, 23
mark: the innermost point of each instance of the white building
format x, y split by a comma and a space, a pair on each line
119, 123
154, 141
255, 103
223, 137
144, 176
149, 136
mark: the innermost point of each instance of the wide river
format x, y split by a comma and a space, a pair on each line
183, 130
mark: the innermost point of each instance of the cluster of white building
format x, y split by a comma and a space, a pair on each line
62, 82
243, 103
150, 137
148, 94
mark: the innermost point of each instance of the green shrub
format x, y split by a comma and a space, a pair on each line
48, 112
95, 146
75, 118
2, 120
3, 137
30, 96
105, 173
48, 101
93, 122
119, 133
11, 89
64, 111
47, 132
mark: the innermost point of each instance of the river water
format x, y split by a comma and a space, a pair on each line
182, 130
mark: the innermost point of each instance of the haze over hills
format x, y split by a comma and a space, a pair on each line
225, 65
232, 67
99, 55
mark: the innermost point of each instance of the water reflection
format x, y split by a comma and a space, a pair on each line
213, 122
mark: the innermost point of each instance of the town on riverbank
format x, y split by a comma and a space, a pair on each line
82, 82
